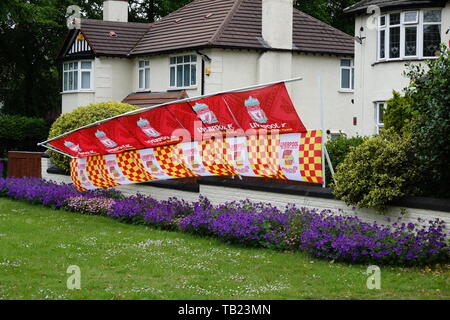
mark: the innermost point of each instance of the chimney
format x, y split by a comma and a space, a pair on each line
277, 23
115, 10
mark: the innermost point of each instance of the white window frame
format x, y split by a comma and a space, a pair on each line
419, 24
378, 123
351, 68
144, 69
80, 72
183, 63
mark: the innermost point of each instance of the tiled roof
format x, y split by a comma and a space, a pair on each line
211, 23
384, 4
121, 42
150, 99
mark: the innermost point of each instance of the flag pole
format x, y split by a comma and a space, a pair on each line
322, 125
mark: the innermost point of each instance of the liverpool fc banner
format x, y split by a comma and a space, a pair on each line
255, 133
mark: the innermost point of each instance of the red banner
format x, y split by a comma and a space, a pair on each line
245, 113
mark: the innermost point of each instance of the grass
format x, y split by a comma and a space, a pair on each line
120, 261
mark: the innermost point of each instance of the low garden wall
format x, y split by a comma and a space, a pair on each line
219, 190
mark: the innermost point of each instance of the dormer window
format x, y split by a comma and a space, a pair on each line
409, 34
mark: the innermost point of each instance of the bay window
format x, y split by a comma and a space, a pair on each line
144, 75
409, 34
77, 75
183, 71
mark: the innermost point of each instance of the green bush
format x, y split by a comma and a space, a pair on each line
380, 170
429, 93
80, 117
18, 133
338, 149
398, 113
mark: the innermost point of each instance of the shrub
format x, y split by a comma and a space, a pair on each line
429, 93
21, 133
243, 222
140, 209
80, 117
94, 206
380, 170
349, 239
338, 149
398, 113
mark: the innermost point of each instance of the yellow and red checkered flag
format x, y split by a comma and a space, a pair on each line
263, 155
311, 168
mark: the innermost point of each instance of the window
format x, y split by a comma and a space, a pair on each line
183, 71
347, 74
144, 75
380, 107
409, 34
77, 75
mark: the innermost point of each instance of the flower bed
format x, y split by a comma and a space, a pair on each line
322, 234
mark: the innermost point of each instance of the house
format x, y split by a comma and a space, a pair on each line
393, 33
209, 46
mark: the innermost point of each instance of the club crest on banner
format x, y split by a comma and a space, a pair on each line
107, 142
72, 146
205, 114
145, 126
254, 110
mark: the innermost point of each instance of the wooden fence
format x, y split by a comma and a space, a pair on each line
24, 164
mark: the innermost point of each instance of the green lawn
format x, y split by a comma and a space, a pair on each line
120, 261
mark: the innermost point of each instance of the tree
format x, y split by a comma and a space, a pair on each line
429, 94
31, 34
330, 11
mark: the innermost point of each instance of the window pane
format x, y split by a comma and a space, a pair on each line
141, 64
187, 59
353, 79
65, 81
383, 21
394, 19
86, 65
394, 42
381, 113
141, 79
172, 76
194, 58
382, 44
410, 41
431, 39
70, 82
411, 16
85, 80
147, 78
345, 78
179, 59
75, 80
345, 63
180, 76
193, 74
432, 16
173, 60
66, 66
187, 75
70, 66
147, 63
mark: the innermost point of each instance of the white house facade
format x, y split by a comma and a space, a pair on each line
391, 34
210, 46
